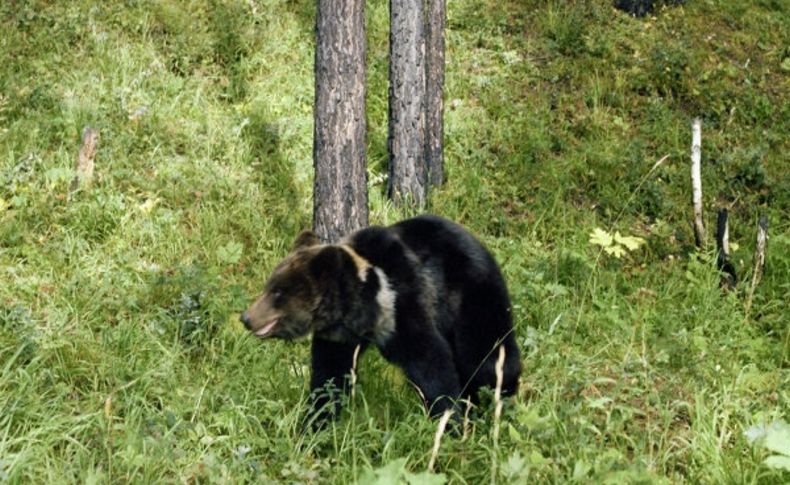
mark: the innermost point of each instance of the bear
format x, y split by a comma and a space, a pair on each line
424, 291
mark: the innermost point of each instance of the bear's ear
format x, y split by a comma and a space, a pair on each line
306, 239
328, 261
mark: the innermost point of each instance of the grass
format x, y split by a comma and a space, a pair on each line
121, 359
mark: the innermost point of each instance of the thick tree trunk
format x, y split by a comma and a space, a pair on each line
434, 90
406, 140
340, 197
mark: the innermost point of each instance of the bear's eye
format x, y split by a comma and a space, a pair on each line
277, 296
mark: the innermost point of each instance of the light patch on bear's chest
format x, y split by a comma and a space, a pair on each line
385, 322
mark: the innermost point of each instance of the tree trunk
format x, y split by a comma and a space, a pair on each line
434, 90
759, 261
696, 182
340, 197
729, 277
83, 168
406, 139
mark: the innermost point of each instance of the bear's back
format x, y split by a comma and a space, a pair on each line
434, 256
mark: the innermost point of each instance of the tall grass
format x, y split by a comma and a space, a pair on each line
121, 359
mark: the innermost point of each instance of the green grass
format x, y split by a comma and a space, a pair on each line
121, 359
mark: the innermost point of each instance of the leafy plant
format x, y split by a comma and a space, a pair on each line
396, 473
230, 253
615, 245
775, 438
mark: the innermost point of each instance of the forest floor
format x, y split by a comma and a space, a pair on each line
121, 355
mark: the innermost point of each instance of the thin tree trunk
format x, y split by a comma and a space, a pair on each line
340, 197
729, 278
408, 178
83, 167
434, 88
696, 182
759, 261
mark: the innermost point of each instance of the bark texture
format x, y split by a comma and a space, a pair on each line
696, 182
408, 177
83, 167
729, 278
340, 197
434, 90
759, 261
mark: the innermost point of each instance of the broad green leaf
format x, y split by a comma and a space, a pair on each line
615, 250
580, 469
775, 436
230, 253
426, 478
601, 237
556, 289
536, 458
631, 243
58, 175
513, 433
777, 439
389, 474
777, 461
515, 467
531, 419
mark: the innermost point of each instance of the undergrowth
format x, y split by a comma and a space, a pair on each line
121, 358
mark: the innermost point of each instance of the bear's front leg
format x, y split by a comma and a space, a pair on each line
331, 366
427, 360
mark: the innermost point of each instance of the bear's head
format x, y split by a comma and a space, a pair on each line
302, 294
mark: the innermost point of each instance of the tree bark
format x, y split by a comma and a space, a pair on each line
83, 168
696, 182
729, 277
434, 89
340, 197
406, 138
759, 261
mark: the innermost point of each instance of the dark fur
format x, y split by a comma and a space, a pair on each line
729, 277
640, 8
451, 308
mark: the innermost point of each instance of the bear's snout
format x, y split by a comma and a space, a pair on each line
245, 319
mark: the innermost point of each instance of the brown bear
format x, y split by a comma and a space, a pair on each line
424, 291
